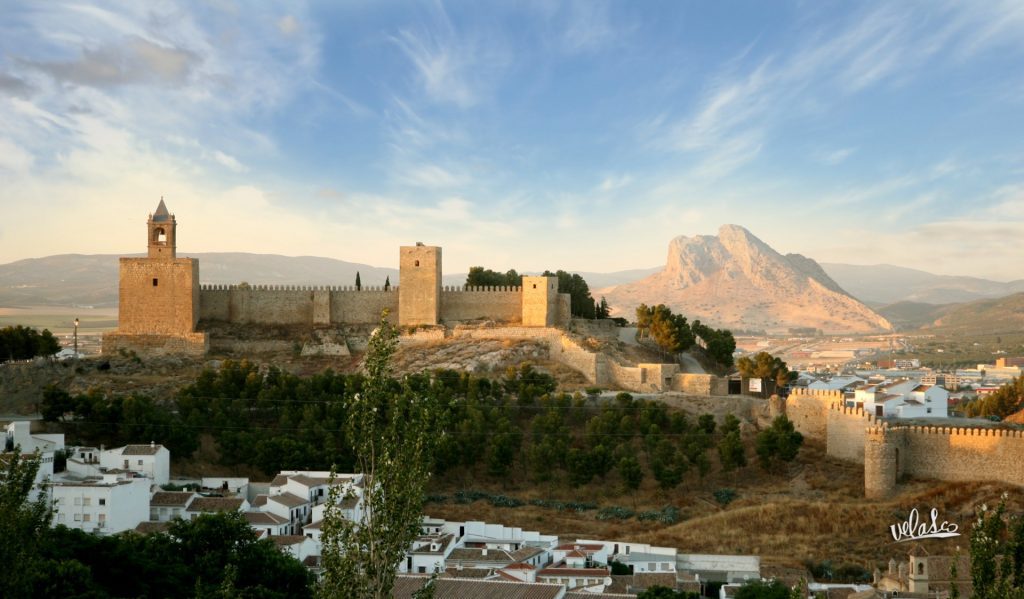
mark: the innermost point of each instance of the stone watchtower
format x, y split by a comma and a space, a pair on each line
419, 289
158, 297
540, 301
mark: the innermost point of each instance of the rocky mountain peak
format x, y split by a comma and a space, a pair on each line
734, 279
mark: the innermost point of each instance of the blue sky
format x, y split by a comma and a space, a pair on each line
528, 135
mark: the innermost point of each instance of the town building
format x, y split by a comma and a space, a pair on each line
107, 504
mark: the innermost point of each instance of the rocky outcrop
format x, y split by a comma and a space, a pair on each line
737, 281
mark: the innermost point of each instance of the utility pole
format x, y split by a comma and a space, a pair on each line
76, 338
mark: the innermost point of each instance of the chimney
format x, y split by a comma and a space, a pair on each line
152, 445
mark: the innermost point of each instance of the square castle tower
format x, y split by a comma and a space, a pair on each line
158, 296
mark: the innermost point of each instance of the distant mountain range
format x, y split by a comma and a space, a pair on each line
735, 280
883, 284
906, 297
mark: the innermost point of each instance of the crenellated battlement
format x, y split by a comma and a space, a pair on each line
330, 288
481, 289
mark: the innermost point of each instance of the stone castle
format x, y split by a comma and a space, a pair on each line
163, 308
891, 452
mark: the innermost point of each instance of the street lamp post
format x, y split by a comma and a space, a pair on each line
76, 338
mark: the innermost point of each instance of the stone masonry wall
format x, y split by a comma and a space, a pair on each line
808, 410
846, 430
287, 304
963, 454
156, 296
195, 344
501, 304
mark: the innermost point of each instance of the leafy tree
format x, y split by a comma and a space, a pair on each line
780, 442
23, 343
1005, 401
731, 451
719, 344
394, 432
670, 332
666, 466
997, 553
221, 550
484, 277
359, 284
660, 592
631, 474
23, 524
765, 366
759, 589
581, 302
581, 470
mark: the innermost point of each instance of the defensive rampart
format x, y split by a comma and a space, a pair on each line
305, 305
890, 451
500, 304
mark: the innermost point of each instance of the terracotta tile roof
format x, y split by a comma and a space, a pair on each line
519, 566
284, 540
288, 499
563, 571
313, 526
311, 561
312, 481
476, 573
215, 504
584, 595
145, 528
645, 580
279, 480
459, 588
260, 500
171, 498
265, 518
141, 449
494, 556
591, 547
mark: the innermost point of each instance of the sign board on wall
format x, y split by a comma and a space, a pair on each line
755, 386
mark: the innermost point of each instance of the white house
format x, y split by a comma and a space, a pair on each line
269, 524
428, 554
296, 510
18, 434
213, 505
904, 398
108, 504
152, 460
720, 568
165, 506
298, 546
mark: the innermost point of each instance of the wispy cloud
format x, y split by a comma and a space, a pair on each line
451, 66
588, 26
834, 157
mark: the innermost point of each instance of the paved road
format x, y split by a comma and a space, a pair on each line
691, 365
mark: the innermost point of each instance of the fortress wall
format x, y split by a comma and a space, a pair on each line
291, 304
195, 344
568, 352
963, 454
272, 305
626, 377
363, 307
700, 384
808, 410
502, 304
215, 303
846, 431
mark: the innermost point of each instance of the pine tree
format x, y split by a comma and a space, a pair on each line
387, 283
359, 284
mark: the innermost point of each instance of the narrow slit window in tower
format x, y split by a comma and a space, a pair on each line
159, 236
154, 282
417, 263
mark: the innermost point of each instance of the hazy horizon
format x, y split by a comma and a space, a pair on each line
583, 135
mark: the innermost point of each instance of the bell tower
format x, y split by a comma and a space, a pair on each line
161, 228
